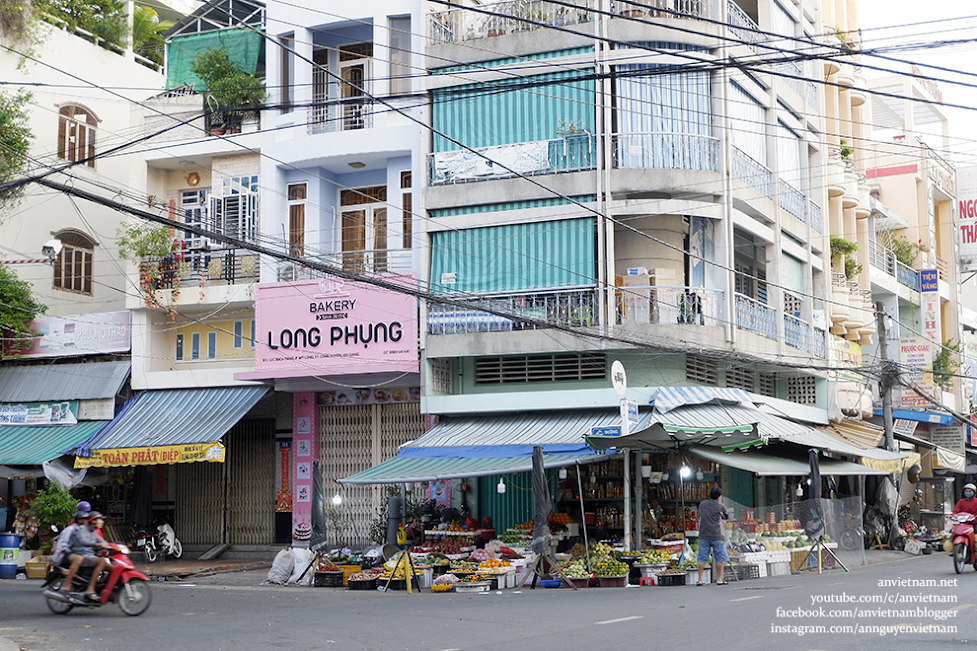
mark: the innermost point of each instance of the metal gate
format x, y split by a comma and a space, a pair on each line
198, 515
251, 464
354, 438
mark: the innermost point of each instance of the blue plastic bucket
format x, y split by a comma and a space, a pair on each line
9, 553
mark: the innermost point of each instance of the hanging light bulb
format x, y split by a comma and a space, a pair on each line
337, 499
684, 471
501, 487
800, 491
563, 473
699, 475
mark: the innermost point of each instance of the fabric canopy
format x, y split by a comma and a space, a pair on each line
763, 464
173, 417
668, 398
32, 445
242, 45
867, 437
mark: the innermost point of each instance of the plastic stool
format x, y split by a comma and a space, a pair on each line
646, 580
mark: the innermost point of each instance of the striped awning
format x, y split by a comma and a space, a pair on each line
668, 398
764, 464
49, 382
31, 445
173, 417
867, 437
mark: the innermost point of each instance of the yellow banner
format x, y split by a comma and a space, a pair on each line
164, 454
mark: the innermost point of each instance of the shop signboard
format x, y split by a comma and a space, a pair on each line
38, 413
966, 186
916, 356
305, 448
84, 334
611, 430
152, 456
951, 437
847, 355
333, 327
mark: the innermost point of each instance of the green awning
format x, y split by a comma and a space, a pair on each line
243, 47
398, 470
23, 445
764, 464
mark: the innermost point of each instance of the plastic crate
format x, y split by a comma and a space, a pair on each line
348, 571
328, 579
744, 571
615, 581
362, 584
693, 575
670, 579
778, 568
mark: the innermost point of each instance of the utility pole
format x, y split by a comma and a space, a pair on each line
887, 380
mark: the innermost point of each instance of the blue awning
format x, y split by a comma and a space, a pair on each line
31, 445
668, 398
173, 417
935, 417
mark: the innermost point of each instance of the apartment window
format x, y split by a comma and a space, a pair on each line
400, 48
73, 266
747, 124
540, 368
407, 209
297, 194
76, 134
211, 345
195, 345
802, 390
768, 384
441, 375
179, 348
354, 70
234, 207
193, 205
287, 72
749, 261
364, 229
738, 377
238, 333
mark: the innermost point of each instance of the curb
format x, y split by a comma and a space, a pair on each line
185, 573
6, 644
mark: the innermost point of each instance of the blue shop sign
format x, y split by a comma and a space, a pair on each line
929, 280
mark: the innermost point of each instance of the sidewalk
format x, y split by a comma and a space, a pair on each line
183, 568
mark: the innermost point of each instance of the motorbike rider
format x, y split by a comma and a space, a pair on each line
969, 502
62, 544
84, 542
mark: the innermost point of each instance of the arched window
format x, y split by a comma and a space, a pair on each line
76, 134
73, 266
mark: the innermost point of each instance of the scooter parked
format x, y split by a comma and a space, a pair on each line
161, 544
121, 583
962, 535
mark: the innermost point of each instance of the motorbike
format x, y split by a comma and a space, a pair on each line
962, 535
120, 583
163, 543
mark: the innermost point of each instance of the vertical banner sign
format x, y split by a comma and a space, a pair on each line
305, 447
916, 356
967, 218
283, 502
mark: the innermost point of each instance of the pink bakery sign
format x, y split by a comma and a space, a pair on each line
333, 327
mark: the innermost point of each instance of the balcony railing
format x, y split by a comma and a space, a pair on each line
372, 260
569, 154
752, 173
202, 268
743, 26
907, 276
573, 308
664, 150
500, 18
340, 115
792, 200
797, 332
944, 268
754, 316
882, 258
814, 216
656, 305
819, 342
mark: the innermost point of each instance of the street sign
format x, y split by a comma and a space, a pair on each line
632, 412
619, 378
610, 430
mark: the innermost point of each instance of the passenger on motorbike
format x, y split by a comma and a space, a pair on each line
62, 544
83, 543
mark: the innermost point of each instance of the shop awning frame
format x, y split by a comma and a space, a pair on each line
763, 464
32, 445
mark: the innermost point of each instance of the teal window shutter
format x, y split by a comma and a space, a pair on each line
513, 257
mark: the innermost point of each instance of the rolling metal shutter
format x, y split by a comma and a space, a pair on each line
251, 464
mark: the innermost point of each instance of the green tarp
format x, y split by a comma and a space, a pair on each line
242, 45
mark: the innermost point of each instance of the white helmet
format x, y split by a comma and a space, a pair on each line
970, 487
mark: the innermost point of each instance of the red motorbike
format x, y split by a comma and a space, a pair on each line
962, 535
120, 583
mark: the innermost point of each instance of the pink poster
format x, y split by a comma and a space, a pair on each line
305, 449
333, 327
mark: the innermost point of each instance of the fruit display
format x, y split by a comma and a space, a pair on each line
480, 555
514, 537
575, 569
493, 564
367, 575
463, 566
442, 587
578, 551
610, 567
654, 556
326, 566
689, 564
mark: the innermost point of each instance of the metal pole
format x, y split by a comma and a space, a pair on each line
638, 498
627, 500
886, 381
583, 518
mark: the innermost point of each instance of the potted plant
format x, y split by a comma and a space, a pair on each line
231, 93
846, 151
905, 251
946, 364
840, 247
